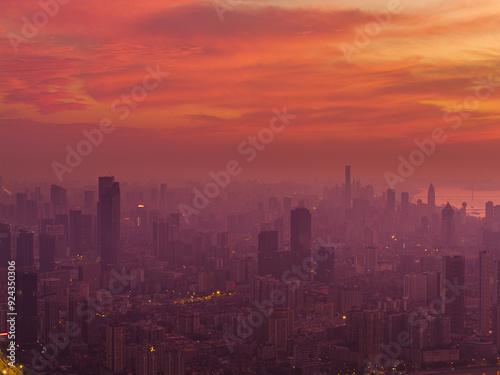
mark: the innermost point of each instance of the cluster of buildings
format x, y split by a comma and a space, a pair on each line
269, 278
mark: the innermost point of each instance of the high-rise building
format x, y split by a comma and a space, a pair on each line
108, 221
431, 200
25, 248
58, 199
75, 232
452, 292
21, 199
268, 253
391, 201
300, 234
47, 252
5, 254
115, 347
26, 308
447, 227
348, 190
405, 205
484, 293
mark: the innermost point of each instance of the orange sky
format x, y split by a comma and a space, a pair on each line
226, 77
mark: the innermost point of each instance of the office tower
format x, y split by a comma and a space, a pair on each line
108, 225
26, 308
21, 199
348, 192
88, 240
58, 199
163, 198
5, 255
452, 292
484, 293
300, 234
268, 253
25, 248
431, 200
447, 227
391, 201
115, 347
160, 240
405, 205
488, 213
50, 322
278, 327
63, 219
88, 202
47, 250
75, 232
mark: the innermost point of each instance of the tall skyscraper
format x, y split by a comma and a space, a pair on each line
391, 201
431, 200
26, 308
348, 191
300, 234
484, 294
268, 253
58, 199
115, 347
25, 248
447, 227
21, 199
453, 284
5, 255
405, 205
75, 232
108, 211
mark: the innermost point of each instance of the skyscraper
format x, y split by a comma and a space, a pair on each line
447, 227
115, 347
431, 200
405, 205
484, 293
452, 292
5, 255
21, 199
26, 308
108, 211
25, 248
268, 253
300, 234
348, 192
